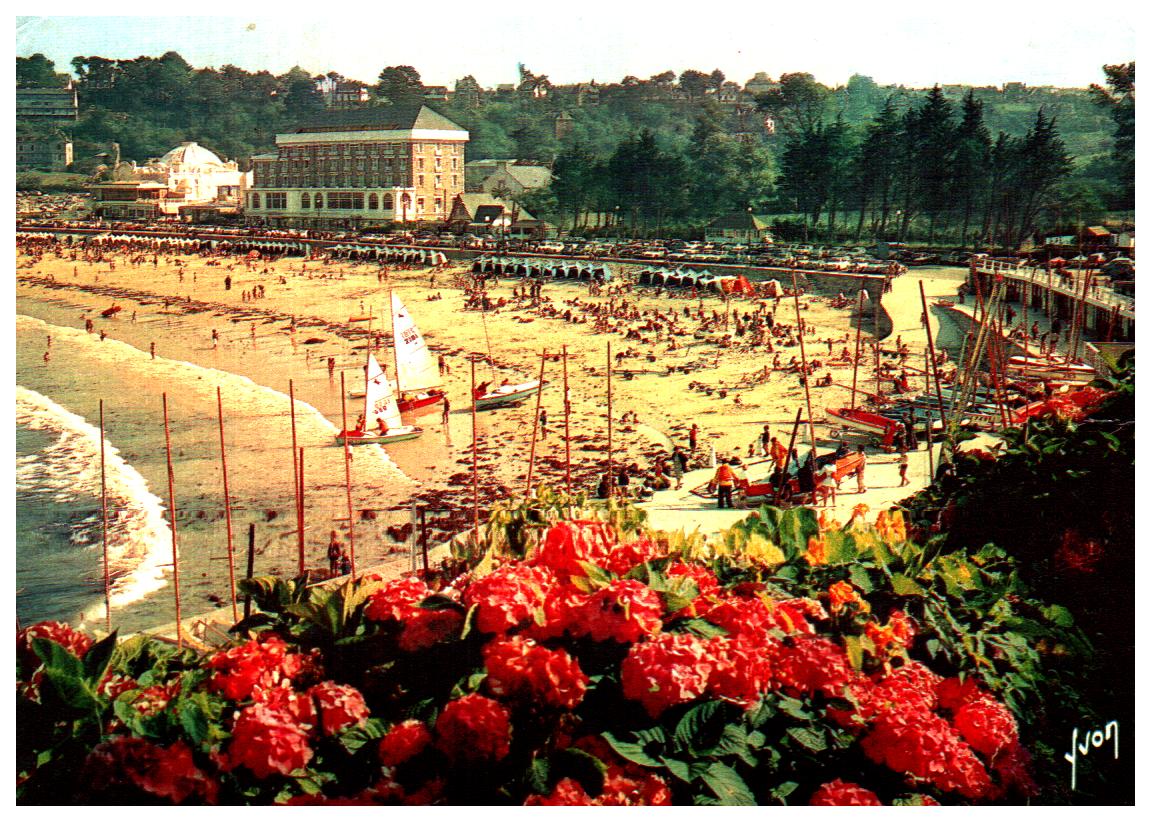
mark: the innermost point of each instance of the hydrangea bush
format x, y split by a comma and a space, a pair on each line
792, 661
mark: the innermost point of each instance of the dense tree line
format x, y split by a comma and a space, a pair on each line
661, 154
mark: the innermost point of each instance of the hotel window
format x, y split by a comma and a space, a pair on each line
255, 201
420, 163
439, 181
421, 182
389, 203
319, 201
305, 200
373, 202
420, 205
455, 163
439, 204
276, 200
455, 181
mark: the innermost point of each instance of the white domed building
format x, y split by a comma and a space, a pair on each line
196, 176
190, 182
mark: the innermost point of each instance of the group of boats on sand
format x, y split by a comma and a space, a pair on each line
417, 387
1028, 382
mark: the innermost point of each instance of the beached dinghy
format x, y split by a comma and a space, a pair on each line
379, 407
866, 421
505, 395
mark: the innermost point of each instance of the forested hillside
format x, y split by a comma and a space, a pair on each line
672, 152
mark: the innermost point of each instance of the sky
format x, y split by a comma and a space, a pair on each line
975, 42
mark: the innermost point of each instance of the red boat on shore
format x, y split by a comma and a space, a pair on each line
112, 311
866, 421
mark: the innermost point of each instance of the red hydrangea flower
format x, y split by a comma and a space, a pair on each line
954, 693
519, 667
168, 773
910, 689
341, 707
567, 544
562, 611
622, 558
263, 662
1013, 767
625, 610
153, 699
742, 616
113, 685
927, 747
668, 670
71, 639
838, 792
741, 669
474, 728
404, 741
810, 664
987, 726
508, 597
424, 627
640, 789
566, 792
396, 601
268, 740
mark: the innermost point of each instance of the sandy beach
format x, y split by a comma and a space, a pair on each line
303, 320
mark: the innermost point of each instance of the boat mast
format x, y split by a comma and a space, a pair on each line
395, 346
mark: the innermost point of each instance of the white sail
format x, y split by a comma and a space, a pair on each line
415, 368
379, 399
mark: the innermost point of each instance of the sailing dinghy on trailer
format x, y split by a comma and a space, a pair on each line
380, 412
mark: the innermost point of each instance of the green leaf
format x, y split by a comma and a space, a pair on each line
587, 769
1059, 615
98, 656
793, 708
678, 768
905, 586
538, 773
854, 651
690, 731
700, 627
728, 785
631, 751
64, 675
784, 790
810, 739
193, 717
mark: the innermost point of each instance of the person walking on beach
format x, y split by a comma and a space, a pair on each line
215, 338
693, 437
444, 366
678, 466
724, 483
345, 564
860, 487
335, 551
543, 423
152, 348
331, 366
765, 440
447, 410
778, 453
903, 470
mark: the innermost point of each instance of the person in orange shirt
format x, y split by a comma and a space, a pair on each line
778, 453
724, 482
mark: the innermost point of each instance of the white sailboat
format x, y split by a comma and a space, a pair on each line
381, 421
417, 374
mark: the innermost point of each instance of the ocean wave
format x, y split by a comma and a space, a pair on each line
69, 470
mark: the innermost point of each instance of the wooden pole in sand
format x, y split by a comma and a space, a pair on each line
931, 351
475, 462
300, 516
536, 424
567, 428
803, 359
348, 475
875, 327
172, 524
787, 459
104, 527
858, 335
227, 508
930, 455
610, 456
296, 479
251, 566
